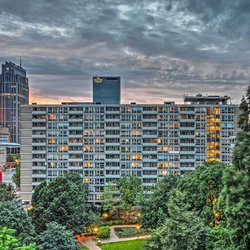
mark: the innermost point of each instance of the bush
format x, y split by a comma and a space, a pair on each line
119, 222
129, 232
104, 232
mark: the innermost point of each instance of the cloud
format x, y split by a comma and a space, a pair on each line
161, 49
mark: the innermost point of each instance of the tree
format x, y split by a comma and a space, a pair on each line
130, 189
218, 238
8, 241
16, 176
13, 216
154, 206
110, 197
203, 187
104, 232
13, 158
56, 237
63, 200
235, 198
182, 230
7, 192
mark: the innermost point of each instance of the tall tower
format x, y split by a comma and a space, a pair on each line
14, 92
107, 89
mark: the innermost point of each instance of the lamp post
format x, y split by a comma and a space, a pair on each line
138, 228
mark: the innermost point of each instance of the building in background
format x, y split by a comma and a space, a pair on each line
14, 92
106, 90
103, 142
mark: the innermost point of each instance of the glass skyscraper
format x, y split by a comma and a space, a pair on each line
106, 90
14, 92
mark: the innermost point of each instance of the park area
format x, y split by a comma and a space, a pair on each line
124, 245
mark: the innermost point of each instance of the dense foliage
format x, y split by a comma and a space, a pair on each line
203, 187
236, 195
122, 196
103, 232
13, 216
182, 229
154, 207
110, 197
7, 192
56, 237
130, 232
16, 176
130, 189
9, 241
63, 200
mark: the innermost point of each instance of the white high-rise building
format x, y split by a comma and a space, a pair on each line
104, 142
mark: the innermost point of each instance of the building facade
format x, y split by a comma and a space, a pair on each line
14, 92
106, 90
105, 142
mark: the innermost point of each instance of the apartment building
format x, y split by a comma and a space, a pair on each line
105, 142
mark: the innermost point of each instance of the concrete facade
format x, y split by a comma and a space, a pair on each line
105, 142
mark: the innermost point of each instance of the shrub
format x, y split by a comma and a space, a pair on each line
129, 232
119, 222
104, 232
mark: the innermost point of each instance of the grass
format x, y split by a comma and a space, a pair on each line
85, 248
124, 245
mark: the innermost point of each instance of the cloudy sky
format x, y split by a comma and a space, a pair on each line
161, 49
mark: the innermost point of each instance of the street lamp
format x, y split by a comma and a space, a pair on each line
95, 229
105, 215
138, 228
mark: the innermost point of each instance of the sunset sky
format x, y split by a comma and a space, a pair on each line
161, 49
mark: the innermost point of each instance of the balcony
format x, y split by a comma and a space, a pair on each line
39, 159
39, 176
39, 167
190, 136
39, 152
112, 152
39, 127
187, 169
39, 112
149, 136
187, 128
187, 152
187, 160
38, 143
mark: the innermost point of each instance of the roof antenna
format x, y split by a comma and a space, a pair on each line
20, 61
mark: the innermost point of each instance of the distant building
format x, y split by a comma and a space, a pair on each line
14, 92
106, 90
103, 142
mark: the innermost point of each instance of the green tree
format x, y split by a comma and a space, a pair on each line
235, 198
8, 241
16, 176
110, 197
182, 230
7, 192
218, 238
130, 189
56, 237
203, 187
63, 200
104, 232
13, 158
13, 216
154, 206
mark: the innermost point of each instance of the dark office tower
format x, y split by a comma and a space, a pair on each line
14, 92
107, 89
